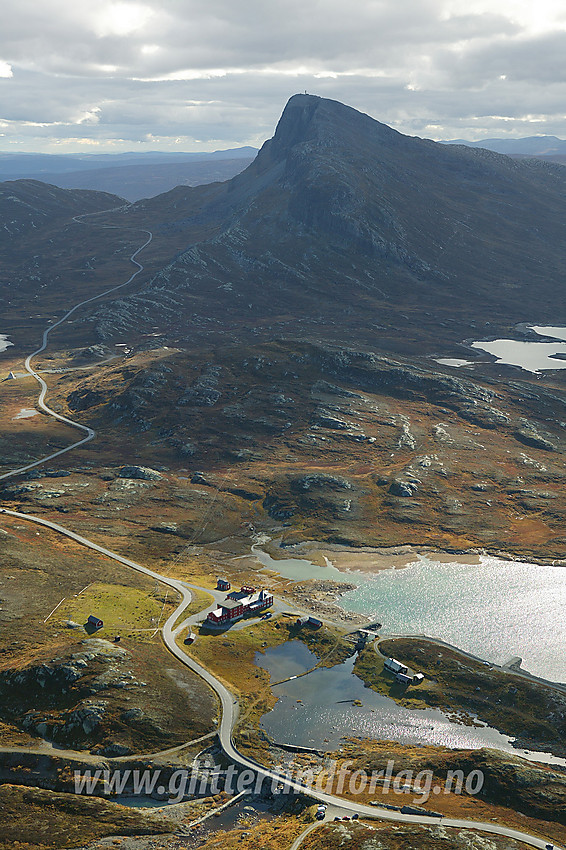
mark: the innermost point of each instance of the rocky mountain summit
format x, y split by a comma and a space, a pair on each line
340, 227
342, 222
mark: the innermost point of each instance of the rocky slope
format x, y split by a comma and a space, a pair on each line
30, 204
46, 257
90, 699
343, 223
335, 443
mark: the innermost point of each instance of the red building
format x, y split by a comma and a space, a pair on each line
233, 609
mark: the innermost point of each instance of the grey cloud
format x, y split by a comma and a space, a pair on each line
535, 60
404, 63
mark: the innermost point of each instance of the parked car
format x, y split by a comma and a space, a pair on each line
320, 812
267, 616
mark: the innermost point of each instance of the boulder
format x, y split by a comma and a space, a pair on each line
141, 473
405, 489
531, 437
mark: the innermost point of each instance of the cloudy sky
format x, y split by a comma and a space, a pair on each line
115, 75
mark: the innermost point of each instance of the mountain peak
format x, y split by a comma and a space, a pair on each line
319, 120
295, 123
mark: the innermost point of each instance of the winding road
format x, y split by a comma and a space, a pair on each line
229, 703
90, 432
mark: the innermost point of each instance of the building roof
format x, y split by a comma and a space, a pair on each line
233, 603
394, 665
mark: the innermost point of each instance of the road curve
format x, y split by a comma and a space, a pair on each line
90, 432
229, 705
228, 702
300, 838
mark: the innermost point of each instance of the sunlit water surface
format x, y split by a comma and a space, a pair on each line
317, 710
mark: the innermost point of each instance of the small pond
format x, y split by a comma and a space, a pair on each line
317, 710
26, 413
4, 342
530, 356
453, 361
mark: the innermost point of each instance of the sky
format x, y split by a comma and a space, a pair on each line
187, 75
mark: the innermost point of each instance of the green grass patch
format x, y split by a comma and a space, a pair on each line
124, 610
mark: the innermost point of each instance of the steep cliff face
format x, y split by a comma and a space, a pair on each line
343, 223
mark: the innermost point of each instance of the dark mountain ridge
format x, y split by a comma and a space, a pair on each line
27, 205
341, 221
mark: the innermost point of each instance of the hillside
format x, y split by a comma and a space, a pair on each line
29, 205
287, 322
342, 221
47, 256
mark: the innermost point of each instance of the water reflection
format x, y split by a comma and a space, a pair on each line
317, 710
462, 604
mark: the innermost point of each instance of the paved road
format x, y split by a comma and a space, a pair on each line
299, 840
89, 432
229, 705
227, 700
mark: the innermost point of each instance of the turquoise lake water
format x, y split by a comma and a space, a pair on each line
495, 609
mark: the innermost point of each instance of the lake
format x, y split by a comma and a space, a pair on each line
325, 714
530, 356
4, 342
495, 609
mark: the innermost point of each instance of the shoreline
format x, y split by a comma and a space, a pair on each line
323, 596
411, 552
4, 343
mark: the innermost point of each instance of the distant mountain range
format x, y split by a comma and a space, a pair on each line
134, 176
341, 227
544, 147
130, 175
